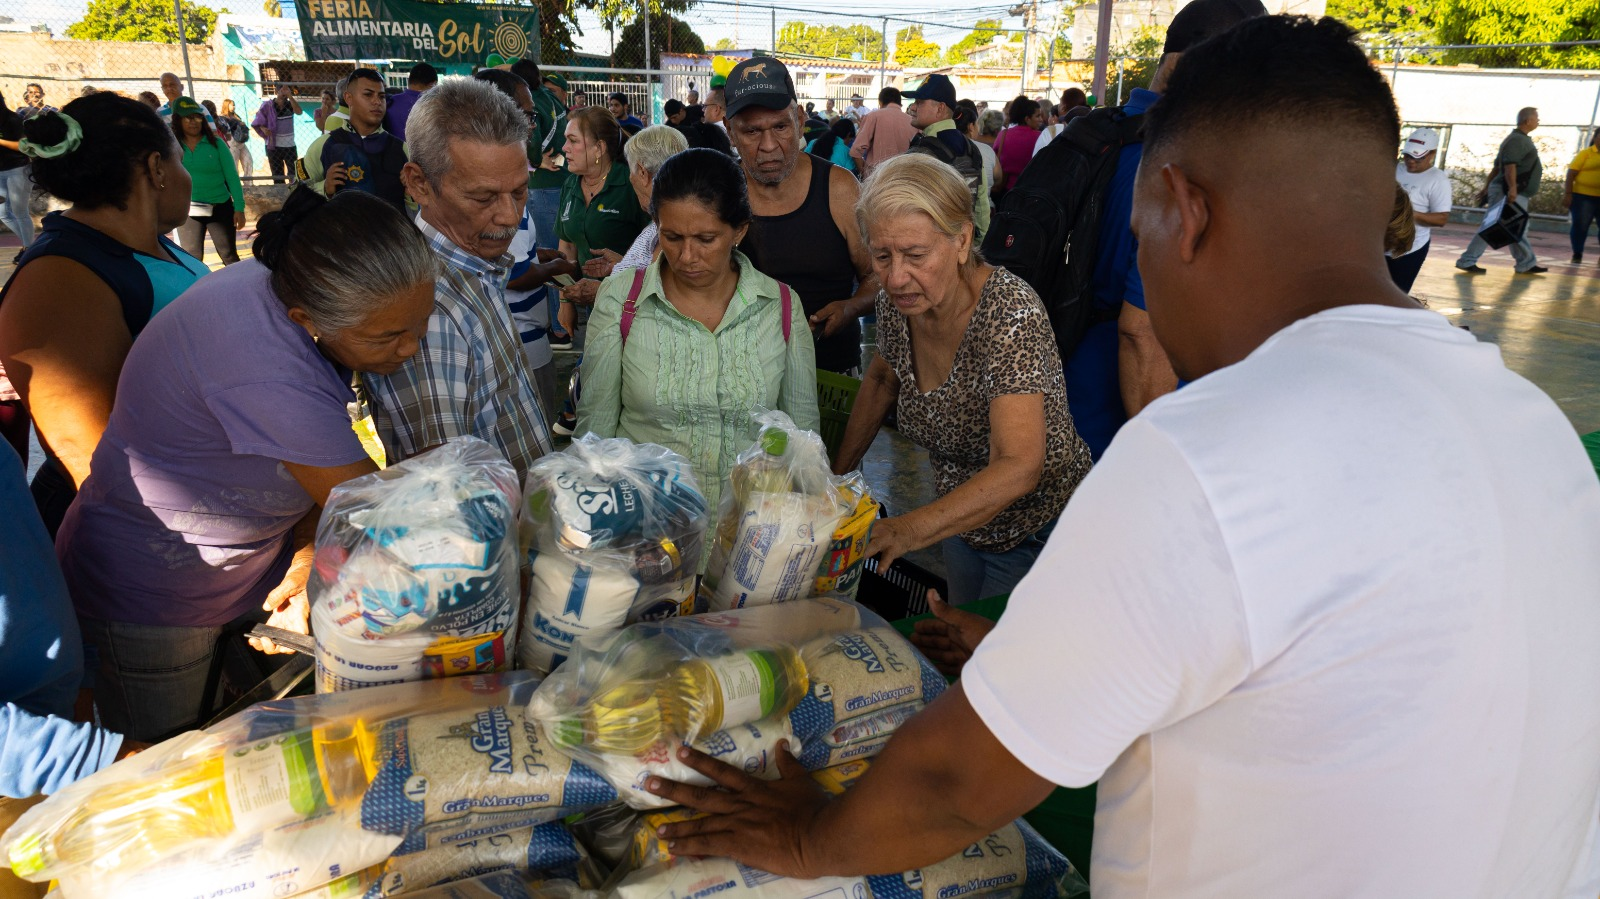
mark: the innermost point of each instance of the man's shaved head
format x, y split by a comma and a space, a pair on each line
1267, 181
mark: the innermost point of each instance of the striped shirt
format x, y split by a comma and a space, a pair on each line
469, 377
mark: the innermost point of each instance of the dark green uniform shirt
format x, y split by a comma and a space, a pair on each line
610, 222
549, 133
1518, 149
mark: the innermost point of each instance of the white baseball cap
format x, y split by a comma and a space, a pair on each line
1421, 142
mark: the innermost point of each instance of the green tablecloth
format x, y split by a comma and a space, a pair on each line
1066, 817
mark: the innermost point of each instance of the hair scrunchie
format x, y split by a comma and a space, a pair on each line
66, 145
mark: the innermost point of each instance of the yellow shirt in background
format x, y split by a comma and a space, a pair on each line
1587, 165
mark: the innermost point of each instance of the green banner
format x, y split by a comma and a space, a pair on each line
407, 29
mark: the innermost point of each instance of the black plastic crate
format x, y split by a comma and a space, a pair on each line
900, 592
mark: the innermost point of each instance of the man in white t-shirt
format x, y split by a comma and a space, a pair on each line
1428, 188
1323, 623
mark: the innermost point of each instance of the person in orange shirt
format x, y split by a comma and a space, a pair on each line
1583, 193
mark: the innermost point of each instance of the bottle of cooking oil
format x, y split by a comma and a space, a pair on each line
250, 789
697, 698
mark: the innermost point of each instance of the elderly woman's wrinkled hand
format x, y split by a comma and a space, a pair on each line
582, 292
602, 264
891, 539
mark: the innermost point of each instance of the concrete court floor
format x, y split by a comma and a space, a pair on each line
1547, 327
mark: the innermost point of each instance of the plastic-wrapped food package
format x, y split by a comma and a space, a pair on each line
779, 513
416, 571
840, 571
615, 534
503, 885
267, 803
752, 747
683, 679
864, 684
546, 851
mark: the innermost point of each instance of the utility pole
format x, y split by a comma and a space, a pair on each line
1102, 50
774, 48
177, 8
883, 68
646, 5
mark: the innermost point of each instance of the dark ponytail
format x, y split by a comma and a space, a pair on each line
119, 134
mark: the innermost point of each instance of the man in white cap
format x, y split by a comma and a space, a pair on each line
1429, 190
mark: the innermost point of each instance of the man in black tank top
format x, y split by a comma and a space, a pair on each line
805, 231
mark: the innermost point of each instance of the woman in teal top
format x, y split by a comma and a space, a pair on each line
707, 343
216, 203
599, 215
94, 277
834, 146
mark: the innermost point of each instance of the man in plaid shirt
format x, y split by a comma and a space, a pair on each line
469, 178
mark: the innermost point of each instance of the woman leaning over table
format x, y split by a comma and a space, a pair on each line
230, 428
706, 345
967, 352
216, 202
93, 278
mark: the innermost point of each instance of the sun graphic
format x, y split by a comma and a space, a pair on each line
357, 174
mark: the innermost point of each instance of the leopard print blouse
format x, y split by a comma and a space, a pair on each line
1008, 348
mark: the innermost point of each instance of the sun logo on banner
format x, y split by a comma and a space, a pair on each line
510, 40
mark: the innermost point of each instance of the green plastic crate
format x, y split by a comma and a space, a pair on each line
836, 396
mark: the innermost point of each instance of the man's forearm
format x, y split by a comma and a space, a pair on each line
942, 783
1432, 219
1143, 370
1510, 173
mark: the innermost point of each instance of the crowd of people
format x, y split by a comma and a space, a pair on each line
1321, 596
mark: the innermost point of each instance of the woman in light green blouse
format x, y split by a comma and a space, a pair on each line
216, 202
707, 338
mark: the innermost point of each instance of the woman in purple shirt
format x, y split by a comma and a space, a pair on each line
231, 424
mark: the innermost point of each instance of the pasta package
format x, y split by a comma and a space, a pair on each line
614, 532
779, 513
840, 572
416, 571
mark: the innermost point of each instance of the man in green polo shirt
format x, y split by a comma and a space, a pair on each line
546, 172
1515, 180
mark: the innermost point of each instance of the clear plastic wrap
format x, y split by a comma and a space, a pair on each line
267, 803
416, 571
543, 852
825, 675
503, 885
840, 571
779, 513
1014, 862
615, 532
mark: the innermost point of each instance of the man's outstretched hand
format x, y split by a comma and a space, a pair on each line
765, 824
950, 637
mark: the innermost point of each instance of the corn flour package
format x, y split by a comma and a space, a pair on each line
780, 510
416, 570
615, 532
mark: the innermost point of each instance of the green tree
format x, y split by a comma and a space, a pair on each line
1143, 57
667, 35
1378, 18
983, 32
725, 44
830, 40
1520, 21
913, 51
142, 20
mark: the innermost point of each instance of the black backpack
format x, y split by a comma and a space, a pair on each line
1046, 229
968, 165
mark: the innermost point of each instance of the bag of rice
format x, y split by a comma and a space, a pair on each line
615, 533
751, 747
502, 885
864, 685
416, 570
779, 512
701, 878
492, 761
545, 851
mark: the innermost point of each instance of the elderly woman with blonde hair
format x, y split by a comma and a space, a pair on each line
967, 354
645, 153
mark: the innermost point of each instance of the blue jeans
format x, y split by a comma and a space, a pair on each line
151, 680
1585, 209
1520, 251
543, 204
17, 189
974, 574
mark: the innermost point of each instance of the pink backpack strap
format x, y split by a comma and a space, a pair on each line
783, 291
630, 307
